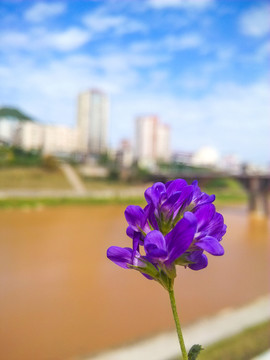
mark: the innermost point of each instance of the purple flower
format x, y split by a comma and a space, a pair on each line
128, 258
166, 201
199, 197
164, 250
178, 224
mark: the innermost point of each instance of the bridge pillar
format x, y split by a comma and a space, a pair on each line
258, 196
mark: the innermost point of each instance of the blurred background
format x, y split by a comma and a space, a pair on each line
99, 99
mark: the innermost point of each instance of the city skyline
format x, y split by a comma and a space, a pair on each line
199, 65
150, 141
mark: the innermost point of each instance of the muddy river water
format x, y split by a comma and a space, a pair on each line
60, 298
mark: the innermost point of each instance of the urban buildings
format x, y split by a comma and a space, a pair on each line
50, 139
29, 135
60, 140
89, 137
152, 142
8, 129
92, 122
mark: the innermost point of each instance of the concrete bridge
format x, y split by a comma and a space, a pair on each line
257, 186
258, 190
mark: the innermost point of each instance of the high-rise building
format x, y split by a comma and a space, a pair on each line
93, 116
152, 141
163, 152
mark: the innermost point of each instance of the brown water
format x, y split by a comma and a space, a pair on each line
60, 298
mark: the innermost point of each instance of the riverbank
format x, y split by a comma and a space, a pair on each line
41, 201
41, 198
38, 187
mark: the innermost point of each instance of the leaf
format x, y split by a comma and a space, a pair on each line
194, 352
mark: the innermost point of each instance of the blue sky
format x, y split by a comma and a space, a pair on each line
202, 66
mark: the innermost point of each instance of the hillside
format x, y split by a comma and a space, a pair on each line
10, 112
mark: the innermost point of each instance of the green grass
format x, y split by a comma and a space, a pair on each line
223, 183
243, 346
8, 203
228, 191
228, 196
59, 201
31, 178
104, 184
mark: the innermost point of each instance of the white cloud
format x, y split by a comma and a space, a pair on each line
100, 21
255, 21
233, 118
171, 43
42, 39
185, 4
13, 39
43, 10
57, 83
66, 40
183, 42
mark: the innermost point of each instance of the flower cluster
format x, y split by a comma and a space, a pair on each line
176, 226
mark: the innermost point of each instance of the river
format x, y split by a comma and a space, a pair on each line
60, 298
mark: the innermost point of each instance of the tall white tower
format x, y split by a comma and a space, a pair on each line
93, 117
152, 141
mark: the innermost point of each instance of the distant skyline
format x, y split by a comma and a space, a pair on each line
201, 66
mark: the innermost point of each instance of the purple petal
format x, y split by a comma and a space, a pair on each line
135, 217
155, 245
216, 227
130, 232
176, 185
200, 261
136, 242
150, 213
171, 204
209, 198
154, 193
120, 256
199, 197
211, 245
147, 194
204, 215
167, 184
205, 199
181, 237
183, 201
223, 231
186, 196
155, 253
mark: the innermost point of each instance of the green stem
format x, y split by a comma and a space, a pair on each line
177, 324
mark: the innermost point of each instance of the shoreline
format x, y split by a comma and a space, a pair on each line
207, 331
37, 198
